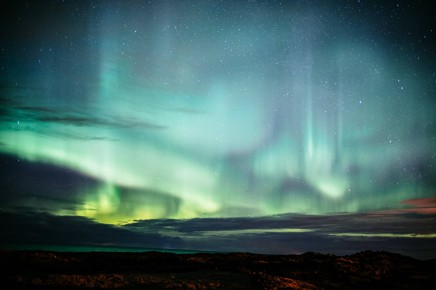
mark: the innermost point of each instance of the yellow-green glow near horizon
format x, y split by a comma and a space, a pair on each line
255, 231
177, 114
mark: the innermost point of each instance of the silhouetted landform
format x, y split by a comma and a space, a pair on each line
157, 270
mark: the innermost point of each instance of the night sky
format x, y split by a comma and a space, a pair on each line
262, 126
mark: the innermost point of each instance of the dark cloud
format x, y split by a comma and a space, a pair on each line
291, 233
82, 137
11, 111
28, 227
394, 223
39, 185
85, 120
32, 175
71, 120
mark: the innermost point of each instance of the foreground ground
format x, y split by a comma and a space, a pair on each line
153, 270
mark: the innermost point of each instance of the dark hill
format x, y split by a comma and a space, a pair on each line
154, 270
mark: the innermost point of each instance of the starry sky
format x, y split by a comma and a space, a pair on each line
264, 126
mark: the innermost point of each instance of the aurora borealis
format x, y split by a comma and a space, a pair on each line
133, 113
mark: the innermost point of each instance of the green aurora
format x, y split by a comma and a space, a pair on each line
221, 110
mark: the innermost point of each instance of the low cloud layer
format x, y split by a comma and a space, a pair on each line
409, 234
